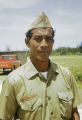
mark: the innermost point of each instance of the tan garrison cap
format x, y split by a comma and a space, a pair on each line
41, 21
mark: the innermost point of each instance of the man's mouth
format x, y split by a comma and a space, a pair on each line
43, 51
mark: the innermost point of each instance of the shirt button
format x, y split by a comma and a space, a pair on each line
49, 98
64, 118
51, 113
67, 98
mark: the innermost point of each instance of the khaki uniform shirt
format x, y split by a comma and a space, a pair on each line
36, 98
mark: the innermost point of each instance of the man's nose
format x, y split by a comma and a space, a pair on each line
44, 43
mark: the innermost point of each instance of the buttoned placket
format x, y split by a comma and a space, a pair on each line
46, 97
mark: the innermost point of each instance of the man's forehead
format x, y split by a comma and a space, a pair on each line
42, 31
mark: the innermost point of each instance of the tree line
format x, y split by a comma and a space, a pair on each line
68, 51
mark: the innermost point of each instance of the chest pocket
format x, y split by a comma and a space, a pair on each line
30, 103
29, 106
65, 101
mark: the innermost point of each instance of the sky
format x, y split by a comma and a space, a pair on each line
17, 15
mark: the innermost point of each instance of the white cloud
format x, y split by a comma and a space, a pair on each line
17, 3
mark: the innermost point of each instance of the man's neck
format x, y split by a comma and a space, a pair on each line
41, 66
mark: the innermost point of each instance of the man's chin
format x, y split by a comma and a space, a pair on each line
43, 59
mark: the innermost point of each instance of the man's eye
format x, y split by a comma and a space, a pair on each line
35, 38
48, 38
38, 38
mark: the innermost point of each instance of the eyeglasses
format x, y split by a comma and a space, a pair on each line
39, 38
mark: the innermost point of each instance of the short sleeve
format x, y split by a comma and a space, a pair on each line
8, 103
76, 93
70, 81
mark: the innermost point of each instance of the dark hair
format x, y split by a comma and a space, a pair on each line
53, 32
29, 34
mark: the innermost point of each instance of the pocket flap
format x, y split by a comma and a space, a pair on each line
66, 96
31, 104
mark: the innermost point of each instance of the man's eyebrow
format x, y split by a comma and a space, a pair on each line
41, 35
38, 35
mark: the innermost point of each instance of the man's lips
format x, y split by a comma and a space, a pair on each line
43, 51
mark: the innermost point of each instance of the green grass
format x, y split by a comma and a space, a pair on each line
69, 61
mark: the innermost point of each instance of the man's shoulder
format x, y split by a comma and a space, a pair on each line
65, 73
17, 74
61, 68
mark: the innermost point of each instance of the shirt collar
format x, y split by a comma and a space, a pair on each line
54, 67
30, 69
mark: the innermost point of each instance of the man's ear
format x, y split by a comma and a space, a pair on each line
27, 42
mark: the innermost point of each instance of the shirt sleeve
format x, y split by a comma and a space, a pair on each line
8, 104
70, 80
76, 91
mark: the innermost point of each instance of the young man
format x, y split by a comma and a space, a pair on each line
40, 89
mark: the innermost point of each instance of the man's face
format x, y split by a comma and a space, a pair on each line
41, 44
